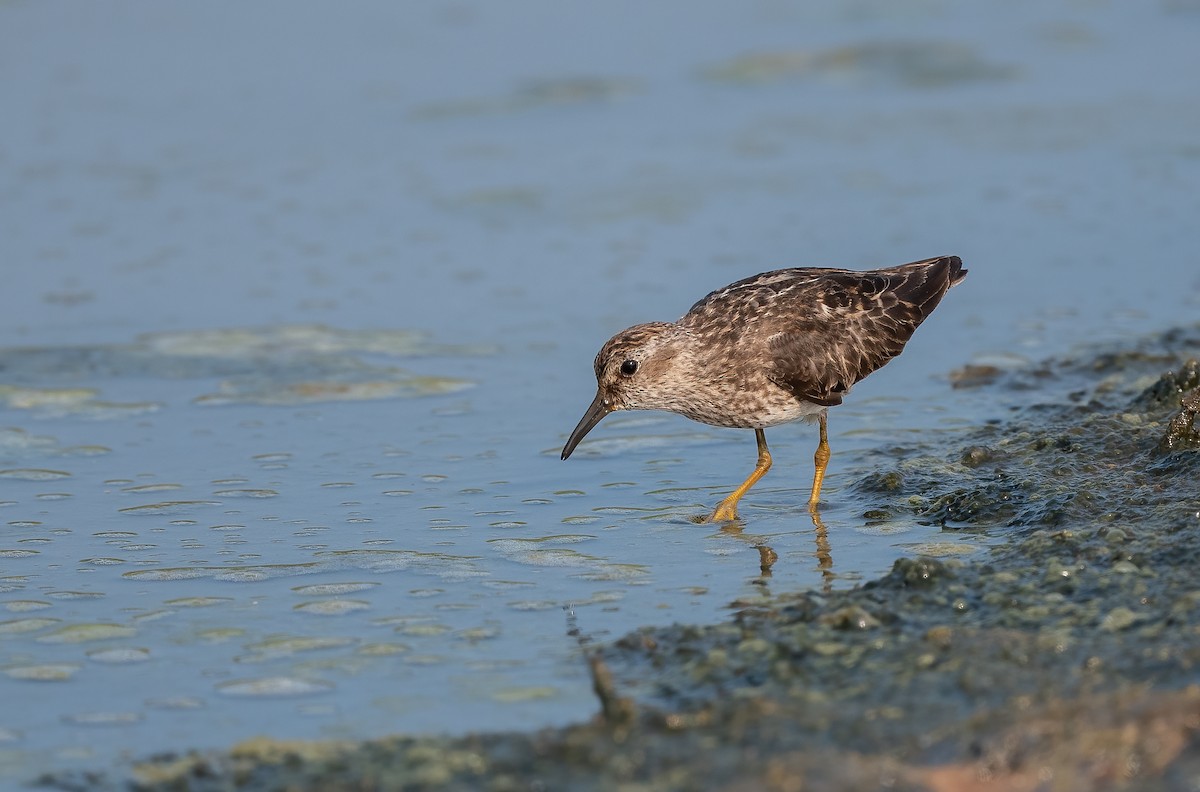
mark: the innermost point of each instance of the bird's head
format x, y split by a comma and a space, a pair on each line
632, 373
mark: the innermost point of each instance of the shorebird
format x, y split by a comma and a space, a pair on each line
770, 349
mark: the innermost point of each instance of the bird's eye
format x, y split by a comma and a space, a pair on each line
629, 368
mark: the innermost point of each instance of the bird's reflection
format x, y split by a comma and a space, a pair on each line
823, 553
767, 555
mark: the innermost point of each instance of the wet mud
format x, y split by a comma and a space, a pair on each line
1067, 658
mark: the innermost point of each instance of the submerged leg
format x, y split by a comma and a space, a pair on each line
821, 461
727, 509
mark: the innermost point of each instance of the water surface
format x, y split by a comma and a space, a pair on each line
300, 306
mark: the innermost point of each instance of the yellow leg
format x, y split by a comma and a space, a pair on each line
821, 461
727, 509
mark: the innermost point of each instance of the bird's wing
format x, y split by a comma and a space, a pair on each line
845, 325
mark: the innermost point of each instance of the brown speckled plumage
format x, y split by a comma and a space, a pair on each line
769, 349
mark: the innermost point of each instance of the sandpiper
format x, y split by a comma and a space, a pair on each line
770, 349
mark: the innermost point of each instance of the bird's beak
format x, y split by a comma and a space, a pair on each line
598, 410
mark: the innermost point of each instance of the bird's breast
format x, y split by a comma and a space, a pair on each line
744, 405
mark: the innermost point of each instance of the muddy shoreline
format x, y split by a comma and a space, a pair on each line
1068, 658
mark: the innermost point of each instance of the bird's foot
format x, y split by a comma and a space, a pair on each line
725, 512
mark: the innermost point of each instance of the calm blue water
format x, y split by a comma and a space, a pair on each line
300, 303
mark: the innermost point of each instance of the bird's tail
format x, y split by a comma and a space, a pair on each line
922, 284
955, 267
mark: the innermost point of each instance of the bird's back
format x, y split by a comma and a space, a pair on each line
819, 331
917, 283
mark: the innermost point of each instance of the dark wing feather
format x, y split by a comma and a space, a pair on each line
847, 324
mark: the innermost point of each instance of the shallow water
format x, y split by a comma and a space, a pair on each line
300, 307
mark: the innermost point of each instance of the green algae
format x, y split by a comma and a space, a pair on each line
276, 365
